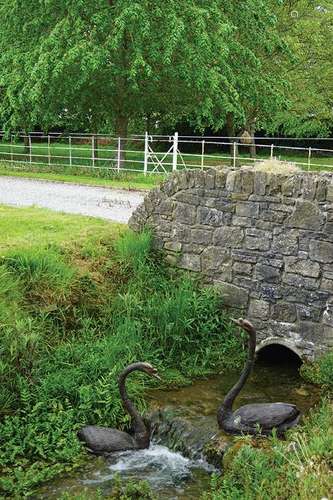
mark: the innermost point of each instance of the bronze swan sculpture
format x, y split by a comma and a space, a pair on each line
254, 419
100, 440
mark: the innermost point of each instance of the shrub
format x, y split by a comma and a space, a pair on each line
320, 372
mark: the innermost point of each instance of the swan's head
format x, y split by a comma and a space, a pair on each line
244, 324
150, 370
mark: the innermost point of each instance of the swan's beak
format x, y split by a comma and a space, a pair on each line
156, 375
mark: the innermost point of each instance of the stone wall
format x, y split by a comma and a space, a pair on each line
265, 240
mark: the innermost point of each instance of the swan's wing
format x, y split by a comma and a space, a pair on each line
267, 415
104, 440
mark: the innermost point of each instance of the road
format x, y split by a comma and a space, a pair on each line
113, 204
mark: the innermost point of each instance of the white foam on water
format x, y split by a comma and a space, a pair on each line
158, 465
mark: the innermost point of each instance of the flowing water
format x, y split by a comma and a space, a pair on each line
171, 475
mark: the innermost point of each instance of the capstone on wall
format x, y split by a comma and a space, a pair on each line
266, 240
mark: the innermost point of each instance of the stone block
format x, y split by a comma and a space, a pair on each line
233, 296
192, 248
190, 197
329, 195
286, 242
190, 262
210, 217
259, 309
201, 236
306, 215
269, 274
292, 186
282, 311
212, 258
181, 233
321, 251
309, 187
308, 313
228, 236
210, 179
327, 284
220, 179
253, 243
173, 246
276, 217
301, 266
241, 221
247, 209
185, 214
298, 281
242, 268
321, 189
260, 182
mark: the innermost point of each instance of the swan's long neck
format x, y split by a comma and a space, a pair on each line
140, 428
235, 390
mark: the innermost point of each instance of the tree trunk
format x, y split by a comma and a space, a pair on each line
94, 146
230, 126
253, 149
26, 143
121, 126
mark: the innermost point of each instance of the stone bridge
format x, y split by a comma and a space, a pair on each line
266, 240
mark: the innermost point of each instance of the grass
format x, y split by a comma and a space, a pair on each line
79, 300
128, 181
35, 227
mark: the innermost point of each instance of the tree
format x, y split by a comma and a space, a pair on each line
98, 64
307, 28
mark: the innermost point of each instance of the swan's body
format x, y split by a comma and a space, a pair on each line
254, 418
100, 440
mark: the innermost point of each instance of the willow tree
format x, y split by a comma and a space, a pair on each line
307, 28
97, 64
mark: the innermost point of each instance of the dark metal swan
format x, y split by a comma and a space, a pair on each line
254, 418
101, 440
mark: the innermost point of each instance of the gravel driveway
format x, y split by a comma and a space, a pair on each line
113, 204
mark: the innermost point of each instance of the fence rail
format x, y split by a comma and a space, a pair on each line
150, 154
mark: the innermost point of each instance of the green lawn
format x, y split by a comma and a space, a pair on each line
37, 227
128, 181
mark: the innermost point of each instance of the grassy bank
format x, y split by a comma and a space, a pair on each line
299, 467
77, 305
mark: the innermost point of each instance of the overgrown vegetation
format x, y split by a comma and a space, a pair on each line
71, 317
320, 372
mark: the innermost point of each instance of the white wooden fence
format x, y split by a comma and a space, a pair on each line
151, 154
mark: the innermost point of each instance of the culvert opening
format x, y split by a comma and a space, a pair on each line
276, 354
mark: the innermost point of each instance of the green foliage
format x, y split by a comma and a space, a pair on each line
320, 372
71, 319
299, 467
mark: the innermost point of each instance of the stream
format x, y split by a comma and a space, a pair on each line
171, 475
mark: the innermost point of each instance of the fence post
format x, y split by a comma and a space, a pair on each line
70, 149
146, 153
309, 158
118, 154
174, 153
272, 151
11, 148
234, 155
49, 149
30, 150
202, 154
